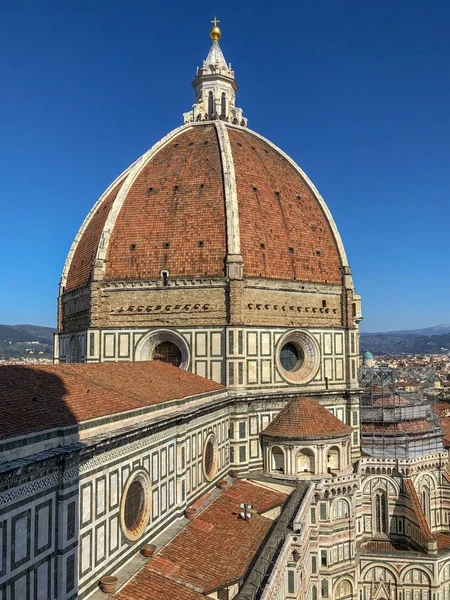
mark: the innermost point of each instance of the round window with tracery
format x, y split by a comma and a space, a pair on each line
297, 356
136, 506
210, 457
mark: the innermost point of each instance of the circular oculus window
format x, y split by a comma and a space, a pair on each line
165, 345
210, 453
136, 505
297, 357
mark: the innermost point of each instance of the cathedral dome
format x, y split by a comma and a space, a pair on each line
206, 191
213, 227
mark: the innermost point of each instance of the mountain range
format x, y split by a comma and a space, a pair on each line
26, 333
431, 340
436, 330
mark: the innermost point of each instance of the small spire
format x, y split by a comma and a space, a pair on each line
215, 32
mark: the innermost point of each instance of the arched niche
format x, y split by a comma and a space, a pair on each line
333, 459
305, 461
277, 461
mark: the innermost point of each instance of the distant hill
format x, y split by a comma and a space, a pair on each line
26, 333
405, 343
436, 330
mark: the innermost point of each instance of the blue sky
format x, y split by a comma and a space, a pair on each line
357, 93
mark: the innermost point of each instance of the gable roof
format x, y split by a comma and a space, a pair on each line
39, 397
305, 418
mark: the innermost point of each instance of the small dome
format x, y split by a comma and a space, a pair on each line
367, 355
304, 418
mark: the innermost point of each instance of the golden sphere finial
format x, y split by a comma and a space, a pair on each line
215, 32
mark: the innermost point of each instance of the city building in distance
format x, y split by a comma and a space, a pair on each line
199, 433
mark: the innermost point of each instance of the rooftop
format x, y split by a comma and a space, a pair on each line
214, 550
39, 397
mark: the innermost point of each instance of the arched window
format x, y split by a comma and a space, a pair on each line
341, 509
277, 459
223, 106
343, 590
314, 592
426, 505
210, 104
381, 516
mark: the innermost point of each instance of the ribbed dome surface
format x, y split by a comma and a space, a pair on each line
169, 211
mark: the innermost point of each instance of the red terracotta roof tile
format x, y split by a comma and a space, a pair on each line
84, 255
305, 418
384, 545
147, 584
38, 397
176, 201
277, 208
174, 217
217, 547
417, 426
442, 539
395, 400
442, 408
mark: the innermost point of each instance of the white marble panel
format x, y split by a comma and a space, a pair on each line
216, 371
216, 344
43, 593
85, 553
113, 542
201, 343
101, 493
201, 368
266, 371
20, 588
109, 340
339, 365
266, 349
327, 343
338, 341
114, 491
124, 345
252, 343
252, 375
21, 538
43, 526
